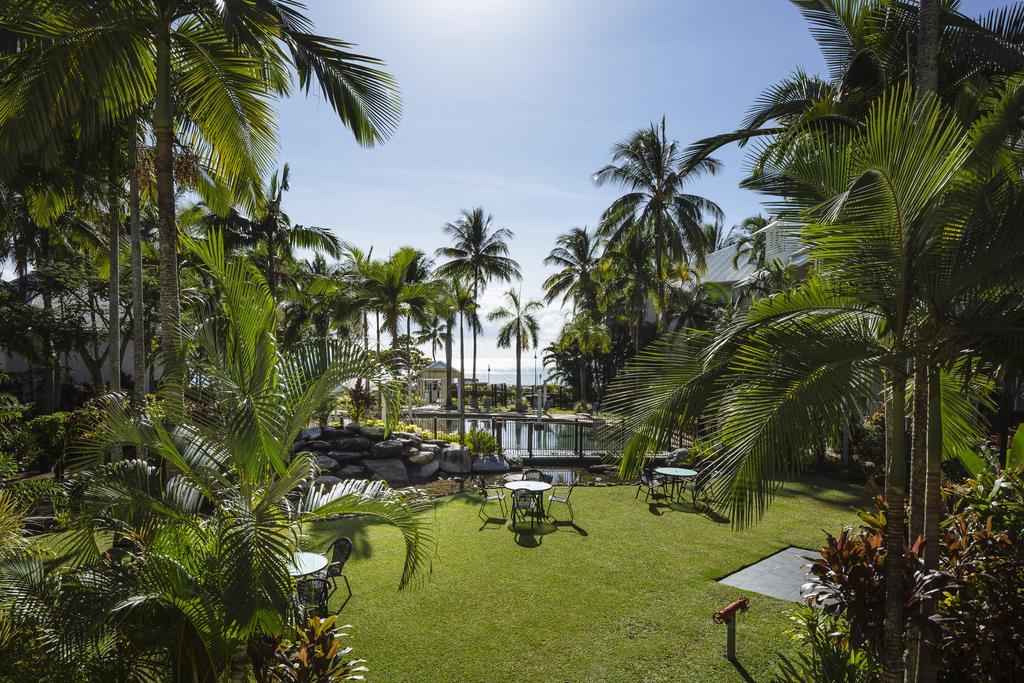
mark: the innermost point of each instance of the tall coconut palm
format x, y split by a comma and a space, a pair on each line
519, 331
208, 72
650, 168
270, 233
576, 254
588, 337
432, 331
478, 253
200, 570
393, 288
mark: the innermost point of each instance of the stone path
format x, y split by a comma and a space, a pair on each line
779, 575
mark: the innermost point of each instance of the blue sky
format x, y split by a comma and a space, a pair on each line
513, 104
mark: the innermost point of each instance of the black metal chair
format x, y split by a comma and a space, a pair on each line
650, 483
341, 549
489, 495
563, 497
533, 475
313, 593
524, 503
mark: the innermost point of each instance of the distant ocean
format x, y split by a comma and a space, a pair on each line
502, 375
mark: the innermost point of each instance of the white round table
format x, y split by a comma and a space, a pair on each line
304, 563
536, 488
528, 485
678, 475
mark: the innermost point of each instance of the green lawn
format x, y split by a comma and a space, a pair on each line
626, 597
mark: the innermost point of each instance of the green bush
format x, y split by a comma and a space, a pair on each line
480, 442
826, 655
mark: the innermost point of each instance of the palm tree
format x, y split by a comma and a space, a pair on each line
519, 331
750, 241
270, 234
888, 215
479, 254
462, 302
576, 254
200, 567
433, 330
589, 338
393, 288
715, 237
212, 67
632, 280
649, 167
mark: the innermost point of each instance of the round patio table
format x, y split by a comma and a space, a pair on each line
678, 475
537, 488
304, 563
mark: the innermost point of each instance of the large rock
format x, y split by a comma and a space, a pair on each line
352, 443
346, 457
330, 433
326, 463
372, 433
351, 472
317, 445
490, 464
421, 457
440, 443
310, 434
391, 470
327, 481
434, 449
409, 449
411, 436
390, 448
420, 471
456, 460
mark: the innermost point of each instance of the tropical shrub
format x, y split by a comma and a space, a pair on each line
314, 653
480, 442
826, 654
982, 612
867, 440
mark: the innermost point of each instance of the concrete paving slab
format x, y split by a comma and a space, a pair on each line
779, 575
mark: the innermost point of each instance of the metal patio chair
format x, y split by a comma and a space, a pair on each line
562, 496
652, 484
341, 550
524, 503
490, 494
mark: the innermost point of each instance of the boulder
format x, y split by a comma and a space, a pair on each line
352, 443
440, 443
421, 457
430, 448
326, 463
310, 434
327, 481
372, 433
490, 464
426, 470
317, 445
330, 433
351, 472
345, 457
391, 470
456, 460
409, 449
390, 448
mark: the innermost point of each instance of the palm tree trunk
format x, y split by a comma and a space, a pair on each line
163, 129
475, 294
462, 377
583, 383
408, 358
114, 293
448, 363
918, 456
519, 383
927, 658
928, 46
138, 304
895, 533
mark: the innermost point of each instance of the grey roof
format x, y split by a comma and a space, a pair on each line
436, 365
721, 269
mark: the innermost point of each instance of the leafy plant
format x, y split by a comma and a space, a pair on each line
827, 654
314, 654
480, 442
